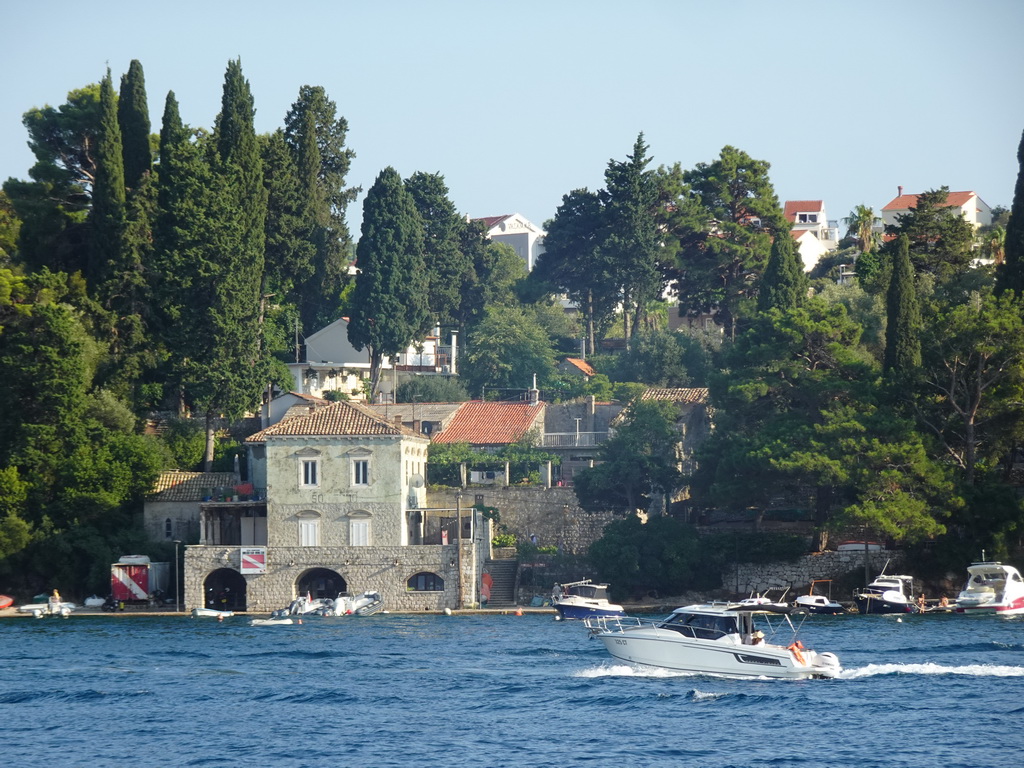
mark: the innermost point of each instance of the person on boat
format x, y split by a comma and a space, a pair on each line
556, 593
921, 602
943, 602
55, 597
757, 638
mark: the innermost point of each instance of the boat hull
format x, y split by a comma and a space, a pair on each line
1012, 608
667, 649
583, 611
876, 604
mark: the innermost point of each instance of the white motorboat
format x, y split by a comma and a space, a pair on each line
582, 599
887, 594
366, 604
992, 588
306, 605
211, 613
815, 603
274, 621
761, 602
714, 638
50, 608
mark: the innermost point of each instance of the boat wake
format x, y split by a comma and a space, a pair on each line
967, 670
625, 670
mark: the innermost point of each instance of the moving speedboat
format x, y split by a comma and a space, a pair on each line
714, 638
887, 594
581, 599
992, 588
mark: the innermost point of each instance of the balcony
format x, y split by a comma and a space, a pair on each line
573, 439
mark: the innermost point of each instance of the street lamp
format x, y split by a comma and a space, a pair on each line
177, 581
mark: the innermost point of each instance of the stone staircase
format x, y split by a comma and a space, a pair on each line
504, 572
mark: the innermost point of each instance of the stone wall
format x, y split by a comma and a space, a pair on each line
381, 569
550, 514
747, 578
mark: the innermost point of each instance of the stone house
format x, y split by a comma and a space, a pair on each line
344, 513
171, 511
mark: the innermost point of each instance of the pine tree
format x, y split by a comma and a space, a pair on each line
389, 304
107, 217
1010, 274
133, 118
902, 342
784, 285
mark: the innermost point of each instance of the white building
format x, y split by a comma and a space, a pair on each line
814, 234
972, 207
513, 229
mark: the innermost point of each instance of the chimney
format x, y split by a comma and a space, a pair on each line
899, 191
398, 421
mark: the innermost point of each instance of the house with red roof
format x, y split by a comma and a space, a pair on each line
493, 425
813, 233
514, 229
576, 366
972, 207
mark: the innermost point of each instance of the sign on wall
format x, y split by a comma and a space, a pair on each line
253, 560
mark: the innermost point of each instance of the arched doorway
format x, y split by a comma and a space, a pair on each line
320, 583
224, 589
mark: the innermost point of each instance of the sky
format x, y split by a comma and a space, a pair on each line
518, 103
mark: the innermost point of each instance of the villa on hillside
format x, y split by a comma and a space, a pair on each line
972, 208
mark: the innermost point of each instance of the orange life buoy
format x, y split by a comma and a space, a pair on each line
795, 649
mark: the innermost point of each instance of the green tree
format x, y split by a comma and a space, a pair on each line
902, 343
506, 350
656, 358
940, 238
107, 217
1010, 274
431, 389
860, 225
316, 136
726, 240
636, 463
389, 304
574, 264
133, 119
785, 283
10, 226
448, 267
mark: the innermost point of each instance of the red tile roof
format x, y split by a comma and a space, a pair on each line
583, 365
491, 423
906, 202
793, 207
680, 395
339, 419
493, 221
189, 486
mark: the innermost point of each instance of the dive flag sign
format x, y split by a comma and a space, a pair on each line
254, 560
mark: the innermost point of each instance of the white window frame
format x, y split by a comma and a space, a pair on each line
309, 531
359, 533
361, 472
306, 467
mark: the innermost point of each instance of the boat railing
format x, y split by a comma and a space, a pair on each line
596, 624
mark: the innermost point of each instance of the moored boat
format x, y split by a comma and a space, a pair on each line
815, 603
6, 601
712, 638
582, 599
211, 613
992, 588
887, 594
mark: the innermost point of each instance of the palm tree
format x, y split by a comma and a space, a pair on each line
860, 224
993, 243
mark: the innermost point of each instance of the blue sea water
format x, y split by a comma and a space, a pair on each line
494, 690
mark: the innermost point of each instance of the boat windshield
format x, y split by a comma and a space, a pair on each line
702, 625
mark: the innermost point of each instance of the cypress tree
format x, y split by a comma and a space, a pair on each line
784, 285
1010, 274
389, 303
902, 343
107, 217
133, 118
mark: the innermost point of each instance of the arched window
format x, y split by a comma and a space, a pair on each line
425, 582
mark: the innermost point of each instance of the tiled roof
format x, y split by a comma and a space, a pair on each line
339, 419
493, 221
793, 207
491, 423
583, 365
906, 202
441, 412
681, 396
189, 486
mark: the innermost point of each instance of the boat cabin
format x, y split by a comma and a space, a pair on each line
707, 625
585, 589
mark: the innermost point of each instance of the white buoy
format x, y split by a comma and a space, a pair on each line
447, 611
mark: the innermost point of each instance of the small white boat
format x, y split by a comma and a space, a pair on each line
211, 613
95, 601
274, 621
49, 608
366, 604
713, 638
581, 599
761, 602
992, 588
814, 603
306, 605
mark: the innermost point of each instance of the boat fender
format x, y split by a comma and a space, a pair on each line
795, 649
